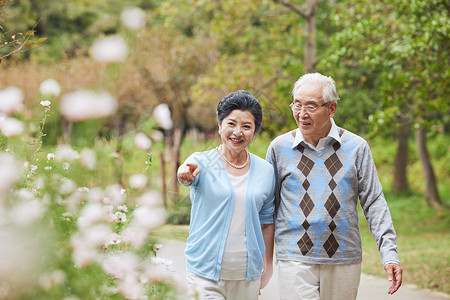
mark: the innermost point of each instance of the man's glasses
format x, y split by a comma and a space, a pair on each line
297, 107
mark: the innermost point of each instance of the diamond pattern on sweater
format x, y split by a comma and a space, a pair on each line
306, 184
305, 224
306, 205
301, 148
305, 165
331, 245
324, 179
305, 244
333, 164
332, 226
332, 205
332, 184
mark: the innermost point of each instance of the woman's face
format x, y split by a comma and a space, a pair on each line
237, 130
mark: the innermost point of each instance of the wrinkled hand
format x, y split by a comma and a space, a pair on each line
187, 172
265, 277
394, 274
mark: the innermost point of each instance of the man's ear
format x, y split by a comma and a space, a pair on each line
332, 107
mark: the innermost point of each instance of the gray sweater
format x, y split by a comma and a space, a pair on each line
316, 195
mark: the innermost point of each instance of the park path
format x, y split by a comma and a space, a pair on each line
370, 288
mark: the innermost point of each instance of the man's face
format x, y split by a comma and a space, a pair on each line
316, 125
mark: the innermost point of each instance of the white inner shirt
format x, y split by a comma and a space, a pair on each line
234, 261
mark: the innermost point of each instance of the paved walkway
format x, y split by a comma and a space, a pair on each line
371, 288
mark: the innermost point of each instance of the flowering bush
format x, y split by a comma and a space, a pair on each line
64, 233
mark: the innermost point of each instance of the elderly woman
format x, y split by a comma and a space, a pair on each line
229, 250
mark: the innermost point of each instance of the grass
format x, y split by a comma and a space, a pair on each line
423, 241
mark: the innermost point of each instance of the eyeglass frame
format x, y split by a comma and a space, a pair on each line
307, 108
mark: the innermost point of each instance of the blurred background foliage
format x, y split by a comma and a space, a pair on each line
389, 60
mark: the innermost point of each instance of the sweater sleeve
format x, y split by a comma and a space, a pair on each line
271, 158
375, 208
266, 213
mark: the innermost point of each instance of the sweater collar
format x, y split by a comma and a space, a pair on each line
332, 135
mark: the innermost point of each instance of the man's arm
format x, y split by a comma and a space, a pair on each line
268, 236
378, 216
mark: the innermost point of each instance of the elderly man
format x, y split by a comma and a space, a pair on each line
321, 171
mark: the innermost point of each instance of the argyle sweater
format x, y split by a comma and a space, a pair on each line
316, 200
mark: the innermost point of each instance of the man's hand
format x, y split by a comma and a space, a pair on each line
394, 274
187, 172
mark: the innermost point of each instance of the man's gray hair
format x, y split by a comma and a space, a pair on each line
329, 93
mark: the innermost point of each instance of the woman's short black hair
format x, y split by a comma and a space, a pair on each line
241, 100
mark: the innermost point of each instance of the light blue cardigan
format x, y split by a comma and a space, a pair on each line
212, 197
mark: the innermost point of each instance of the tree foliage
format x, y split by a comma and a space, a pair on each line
12, 42
401, 50
70, 25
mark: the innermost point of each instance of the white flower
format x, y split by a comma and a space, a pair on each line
109, 49
97, 235
122, 208
161, 261
113, 239
157, 136
25, 213
50, 156
113, 195
49, 87
142, 141
88, 158
135, 235
67, 215
67, 186
148, 218
120, 217
95, 195
82, 254
9, 171
121, 265
11, 126
91, 214
47, 168
84, 105
33, 168
65, 165
21, 254
45, 103
47, 281
11, 100
150, 199
65, 153
131, 288
162, 115
133, 17
138, 181
83, 189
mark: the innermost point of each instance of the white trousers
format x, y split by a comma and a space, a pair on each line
200, 288
300, 281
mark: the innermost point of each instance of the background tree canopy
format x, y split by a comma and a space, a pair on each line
390, 62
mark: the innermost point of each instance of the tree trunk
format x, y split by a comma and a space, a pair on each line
308, 12
163, 180
309, 59
400, 182
431, 191
173, 141
175, 161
